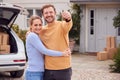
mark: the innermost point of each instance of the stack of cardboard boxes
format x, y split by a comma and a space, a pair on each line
4, 43
110, 49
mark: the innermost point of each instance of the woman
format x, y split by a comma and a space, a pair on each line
36, 49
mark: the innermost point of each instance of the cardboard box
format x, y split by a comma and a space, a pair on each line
103, 55
4, 49
5, 40
105, 49
0, 39
113, 42
111, 52
108, 42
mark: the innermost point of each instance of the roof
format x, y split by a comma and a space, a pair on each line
94, 1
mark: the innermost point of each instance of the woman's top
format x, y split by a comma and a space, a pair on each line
35, 50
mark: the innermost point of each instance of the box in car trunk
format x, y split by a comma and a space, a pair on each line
8, 43
0, 39
4, 39
4, 46
4, 49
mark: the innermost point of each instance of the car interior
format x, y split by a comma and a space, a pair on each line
12, 41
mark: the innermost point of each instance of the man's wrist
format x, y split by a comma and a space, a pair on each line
67, 20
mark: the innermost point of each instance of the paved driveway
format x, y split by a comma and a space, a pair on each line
85, 67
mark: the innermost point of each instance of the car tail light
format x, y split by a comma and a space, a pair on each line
22, 60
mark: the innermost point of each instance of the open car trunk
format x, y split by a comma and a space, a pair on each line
9, 42
8, 15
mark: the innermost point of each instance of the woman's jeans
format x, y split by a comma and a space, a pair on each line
34, 75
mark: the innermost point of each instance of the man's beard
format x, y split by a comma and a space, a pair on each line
50, 21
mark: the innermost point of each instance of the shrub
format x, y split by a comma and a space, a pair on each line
116, 20
21, 33
116, 66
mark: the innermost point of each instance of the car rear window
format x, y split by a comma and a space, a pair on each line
6, 14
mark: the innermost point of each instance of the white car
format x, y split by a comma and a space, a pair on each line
14, 61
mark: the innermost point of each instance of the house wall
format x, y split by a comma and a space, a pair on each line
59, 4
84, 37
37, 4
83, 29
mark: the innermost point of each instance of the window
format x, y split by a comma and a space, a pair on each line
91, 30
92, 14
118, 31
38, 12
91, 22
119, 28
6, 14
30, 12
33, 12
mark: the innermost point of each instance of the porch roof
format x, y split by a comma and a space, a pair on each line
96, 1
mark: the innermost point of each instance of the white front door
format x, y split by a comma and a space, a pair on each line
100, 26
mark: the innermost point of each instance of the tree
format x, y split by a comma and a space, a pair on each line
21, 33
116, 20
75, 31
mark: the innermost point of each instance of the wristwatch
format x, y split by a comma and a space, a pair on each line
67, 20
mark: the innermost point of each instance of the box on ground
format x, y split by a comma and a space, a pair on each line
111, 52
103, 55
113, 42
108, 42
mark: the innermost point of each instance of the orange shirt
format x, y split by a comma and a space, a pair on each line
55, 37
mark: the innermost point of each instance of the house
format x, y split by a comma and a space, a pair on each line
97, 23
33, 7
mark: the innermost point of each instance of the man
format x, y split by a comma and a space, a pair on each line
55, 36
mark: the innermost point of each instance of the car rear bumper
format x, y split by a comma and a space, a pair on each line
12, 67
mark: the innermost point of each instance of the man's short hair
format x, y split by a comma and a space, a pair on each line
47, 6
